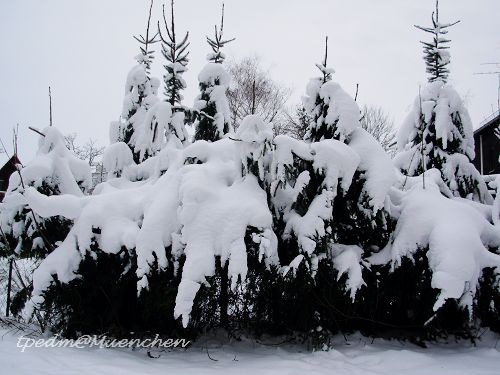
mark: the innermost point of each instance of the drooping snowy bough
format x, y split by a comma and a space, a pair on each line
438, 134
55, 171
199, 208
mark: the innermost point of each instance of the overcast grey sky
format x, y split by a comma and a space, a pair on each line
84, 49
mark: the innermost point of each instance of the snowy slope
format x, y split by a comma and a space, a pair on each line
356, 356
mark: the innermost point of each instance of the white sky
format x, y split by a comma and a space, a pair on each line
84, 49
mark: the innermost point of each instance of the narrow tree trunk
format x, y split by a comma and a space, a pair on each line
9, 284
224, 295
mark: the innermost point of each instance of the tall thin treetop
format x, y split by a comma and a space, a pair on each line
146, 56
436, 54
177, 55
217, 42
327, 72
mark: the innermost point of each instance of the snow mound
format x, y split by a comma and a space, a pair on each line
116, 157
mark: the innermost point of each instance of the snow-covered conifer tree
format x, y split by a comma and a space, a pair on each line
440, 248
211, 106
329, 195
437, 133
140, 94
315, 107
358, 203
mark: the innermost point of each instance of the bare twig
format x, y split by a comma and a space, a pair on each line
208, 354
36, 131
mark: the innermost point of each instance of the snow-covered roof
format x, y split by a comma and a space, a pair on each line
491, 120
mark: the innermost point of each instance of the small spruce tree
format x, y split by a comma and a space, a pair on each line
438, 131
211, 106
140, 94
176, 53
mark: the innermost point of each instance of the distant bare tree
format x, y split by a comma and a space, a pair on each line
252, 90
90, 151
295, 123
378, 123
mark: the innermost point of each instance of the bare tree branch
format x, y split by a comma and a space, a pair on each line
89, 152
378, 123
252, 90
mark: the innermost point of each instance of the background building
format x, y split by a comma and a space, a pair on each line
5, 172
487, 145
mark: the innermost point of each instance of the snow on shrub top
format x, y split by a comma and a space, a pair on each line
55, 166
437, 133
442, 102
376, 166
116, 157
256, 137
200, 207
332, 110
212, 102
214, 74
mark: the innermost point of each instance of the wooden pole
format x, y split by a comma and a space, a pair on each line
50, 106
9, 284
253, 97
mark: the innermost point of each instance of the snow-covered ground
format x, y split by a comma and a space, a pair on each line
356, 356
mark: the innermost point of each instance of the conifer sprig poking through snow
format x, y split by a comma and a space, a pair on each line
217, 42
316, 108
437, 56
176, 53
146, 57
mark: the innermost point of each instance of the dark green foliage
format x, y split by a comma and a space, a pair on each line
39, 234
393, 304
206, 129
488, 300
19, 300
156, 303
240, 307
399, 303
354, 221
102, 300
